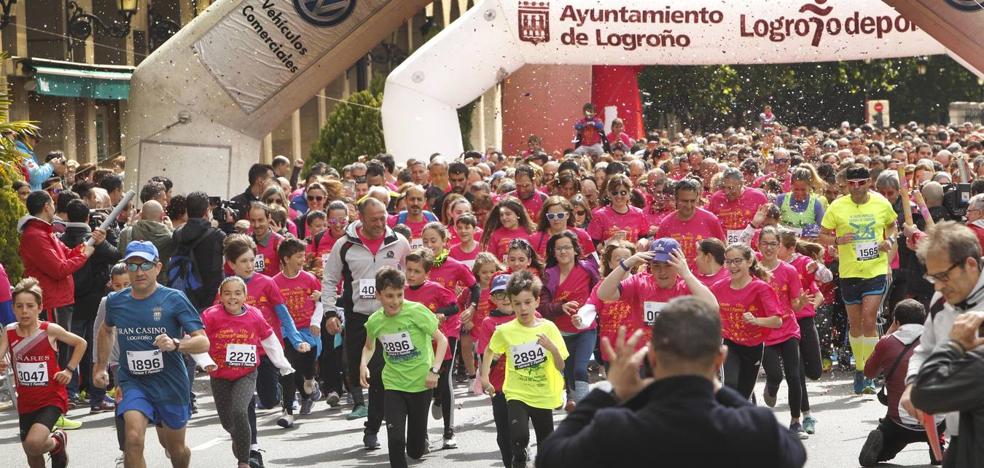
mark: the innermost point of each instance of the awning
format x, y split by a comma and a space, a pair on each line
78, 83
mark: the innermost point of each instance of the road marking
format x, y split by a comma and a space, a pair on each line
209, 444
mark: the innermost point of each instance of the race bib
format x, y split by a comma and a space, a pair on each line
796, 230
733, 235
240, 355
528, 355
397, 345
367, 289
145, 362
649, 311
416, 243
259, 263
32, 374
866, 250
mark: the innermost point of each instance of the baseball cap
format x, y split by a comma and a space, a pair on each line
663, 247
499, 283
141, 249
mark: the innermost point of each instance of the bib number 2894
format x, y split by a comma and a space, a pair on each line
528, 355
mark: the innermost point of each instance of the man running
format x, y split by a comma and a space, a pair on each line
148, 319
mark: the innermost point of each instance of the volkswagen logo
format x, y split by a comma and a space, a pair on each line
324, 12
966, 5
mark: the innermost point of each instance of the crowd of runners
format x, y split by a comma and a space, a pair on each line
384, 286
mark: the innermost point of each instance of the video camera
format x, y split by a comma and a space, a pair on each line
221, 208
956, 198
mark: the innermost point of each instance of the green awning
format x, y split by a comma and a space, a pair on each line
76, 83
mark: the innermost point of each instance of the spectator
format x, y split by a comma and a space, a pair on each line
35, 171
151, 228
203, 243
259, 176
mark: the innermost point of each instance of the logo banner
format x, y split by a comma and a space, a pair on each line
262, 45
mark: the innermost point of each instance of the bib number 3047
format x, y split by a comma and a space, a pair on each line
528, 355
145, 362
32, 374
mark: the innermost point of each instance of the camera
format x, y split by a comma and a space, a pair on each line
956, 198
97, 217
220, 208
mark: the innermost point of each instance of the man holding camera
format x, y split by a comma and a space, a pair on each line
35, 172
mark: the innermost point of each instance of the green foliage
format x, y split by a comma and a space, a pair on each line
11, 208
353, 128
812, 94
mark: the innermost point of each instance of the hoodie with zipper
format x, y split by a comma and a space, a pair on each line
352, 264
49, 261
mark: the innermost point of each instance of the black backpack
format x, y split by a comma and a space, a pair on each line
182, 268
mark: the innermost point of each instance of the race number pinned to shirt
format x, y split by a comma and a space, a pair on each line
240, 355
32, 374
416, 243
324, 259
650, 309
867, 250
259, 263
397, 345
528, 355
367, 289
734, 235
145, 362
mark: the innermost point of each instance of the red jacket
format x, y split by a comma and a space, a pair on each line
49, 261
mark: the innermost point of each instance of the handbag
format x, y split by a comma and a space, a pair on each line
883, 394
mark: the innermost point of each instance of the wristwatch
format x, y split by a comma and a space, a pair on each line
435, 371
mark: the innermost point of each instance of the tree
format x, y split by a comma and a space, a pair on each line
354, 128
11, 208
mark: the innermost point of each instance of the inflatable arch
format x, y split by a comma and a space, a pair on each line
497, 37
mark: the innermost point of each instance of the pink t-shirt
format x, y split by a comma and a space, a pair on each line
786, 283
372, 244
809, 283
539, 241
646, 299
297, 293
756, 297
576, 287
605, 222
482, 311
786, 182
736, 215
263, 293
532, 204
453, 275
702, 225
223, 329
267, 261
433, 296
466, 258
709, 280
611, 315
454, 239
500, 239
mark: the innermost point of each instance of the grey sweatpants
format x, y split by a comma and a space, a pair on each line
232, 399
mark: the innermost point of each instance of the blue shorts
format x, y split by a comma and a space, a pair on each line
173, 416
855, 289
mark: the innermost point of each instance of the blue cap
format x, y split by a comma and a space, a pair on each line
141, 249
663, 248
499, 283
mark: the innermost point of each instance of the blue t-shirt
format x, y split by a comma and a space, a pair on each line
162, 376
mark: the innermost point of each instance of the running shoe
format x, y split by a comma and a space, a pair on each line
359, 412
59, 456
769, 399
309, 386
286, 420
255, 459
810, 424
306, 404
102, 407
872, 448
449, 442
869, 387
858, 382
67, 424
797, 429
436, 410
371, 441
333, 399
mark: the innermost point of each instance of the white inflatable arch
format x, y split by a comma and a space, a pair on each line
497, 37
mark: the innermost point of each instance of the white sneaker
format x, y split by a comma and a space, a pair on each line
286, 420
450, 443
471, 387
309, 386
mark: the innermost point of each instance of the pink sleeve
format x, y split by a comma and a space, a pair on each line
768, 300
593, 298
717, 230
466, 276
595, 229
628, 289
273, 293
795, 287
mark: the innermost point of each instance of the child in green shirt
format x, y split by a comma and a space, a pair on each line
405, 329
535, 354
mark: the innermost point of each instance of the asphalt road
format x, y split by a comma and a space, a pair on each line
326, 439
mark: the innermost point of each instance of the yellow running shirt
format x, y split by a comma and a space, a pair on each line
861, 258
531, 376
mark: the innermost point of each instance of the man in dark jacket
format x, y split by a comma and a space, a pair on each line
681, 416
90, 284
205, 244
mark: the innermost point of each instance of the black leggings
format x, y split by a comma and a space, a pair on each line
500, 413
330, 367
355, 340
304, 369
812, 367
785, 354
519, 430
444, 393
267, 389
406, 425
741, 367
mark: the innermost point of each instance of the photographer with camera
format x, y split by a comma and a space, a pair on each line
259, 177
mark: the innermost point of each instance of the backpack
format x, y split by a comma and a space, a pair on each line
182, 268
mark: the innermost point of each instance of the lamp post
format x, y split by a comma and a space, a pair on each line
921, 63
82, 24
5, 7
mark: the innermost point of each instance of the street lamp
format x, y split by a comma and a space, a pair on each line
5, 6
81, 24
921, 63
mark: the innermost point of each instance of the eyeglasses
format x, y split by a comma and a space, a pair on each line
734, 261
556, 216
857, 182
564, 248
932, 278
315, 197
620, 193
146, 266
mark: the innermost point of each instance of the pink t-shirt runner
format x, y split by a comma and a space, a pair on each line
223, 329
605, 222
709, 280
466, 258
500, 239
433, 296
297, 293
539, 241
263, 293
532, 204
702, 225
453, 275
736, 215
756, 297
786, 283
647, 299
454, 239
576, 287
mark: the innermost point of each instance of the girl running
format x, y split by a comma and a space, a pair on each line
485, 268
507, 221
610, 314
40, 382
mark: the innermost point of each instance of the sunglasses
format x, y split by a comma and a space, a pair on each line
580, 213
556, 216
146, 266
620, 193
857, 182
315, 198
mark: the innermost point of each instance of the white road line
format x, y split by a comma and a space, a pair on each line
210, 444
